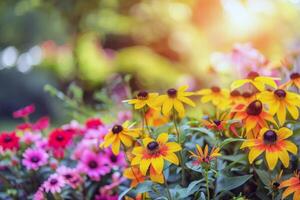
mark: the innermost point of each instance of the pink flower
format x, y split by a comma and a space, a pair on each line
24, 112
54, 184
71, 176
124, 116
31, 138
106, 197
116, 162
39, 195
34, 158
93, 164
41, 124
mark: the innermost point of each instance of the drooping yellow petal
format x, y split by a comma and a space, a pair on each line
293, 110
248, 143
284, 157
267, 81
288, 191
162, 138
187, 101
254, 153
136, 160
251, 123
284, 133
126, 140
115, 146
156, 177
172, 158
179, 107
281, 114
158, 164
183, 88
272, 159
139, 105
204, 92
144, 165
108, 139
167, 106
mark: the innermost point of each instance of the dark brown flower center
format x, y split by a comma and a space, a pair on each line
53, 181
215, 89
270, 137
295, 75
247, 94
254, 108
7, 139
276, 184
235, 93
217, 122
93, 164
60, 138
35, 159
172, 93
142, 95
117, 129
152, 146
113, 158
280, 93
252, 75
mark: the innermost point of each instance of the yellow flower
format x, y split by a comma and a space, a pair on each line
274, 143
294, 81
253, 117
135, 175
118, 134
155, 118
143, 99
153, 153
219, 97
203, 156
257, 81
175, 99
293, 186
279, 101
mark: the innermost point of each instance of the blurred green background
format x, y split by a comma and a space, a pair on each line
159, 43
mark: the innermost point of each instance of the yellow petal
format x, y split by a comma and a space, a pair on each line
272, 159
291, 147
172, 158
126, 140
173, 147
162, 138
167, 106
187, 101
200, 151
284, 133
183, 88
238, 83
147, 140
179, 107
144, 165
161, 99
204, 92
158, 164
293, 110
267, 80
248, 143
254, 153
288, 191
137, 150
136, 160
250, 123
116, 146
108, 139
281, 114
139, 105
207, 98
156, 177
284, 157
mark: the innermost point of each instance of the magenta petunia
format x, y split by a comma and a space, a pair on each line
54, 184
93, 164
106, 197
24, 112
34, 158
71, 176
116, 161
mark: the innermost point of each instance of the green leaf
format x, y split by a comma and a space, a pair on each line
75, 92
124, 193
230, 140
204, 130
263, 176
226, 183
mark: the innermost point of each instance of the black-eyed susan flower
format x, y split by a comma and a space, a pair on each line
256, 80
118, 134
274, 144
253, 116
174, 99
293, 186
248, 97
293, 82
217, 96
154, 152
134, 174
279, 101
235, 97
143, 98
203, 156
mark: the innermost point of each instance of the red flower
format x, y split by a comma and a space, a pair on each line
59, 138
41, 124
24, 112
93, 123
9, 140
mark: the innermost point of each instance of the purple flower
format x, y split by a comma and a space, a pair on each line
54, 184
71, 176
31, 138
34, 158
93, 164
39, 195
106, 197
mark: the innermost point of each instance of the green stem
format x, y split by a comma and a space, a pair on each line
183, 182
207, 184
168, 189
145, 120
